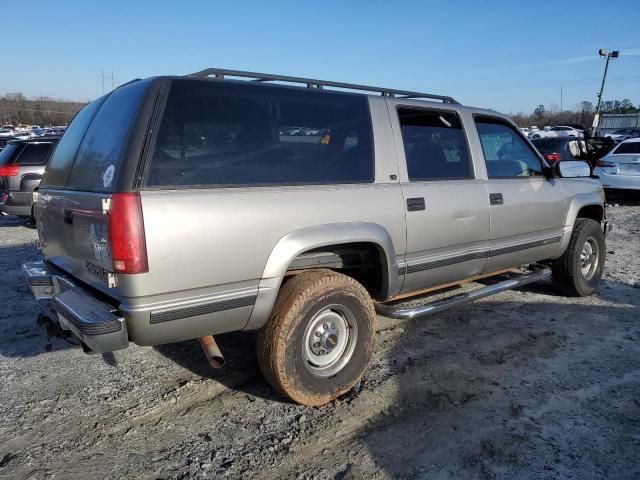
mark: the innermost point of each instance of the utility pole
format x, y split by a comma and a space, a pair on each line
603, 53
561, 117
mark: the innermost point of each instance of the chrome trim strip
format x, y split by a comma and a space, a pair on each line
493, 252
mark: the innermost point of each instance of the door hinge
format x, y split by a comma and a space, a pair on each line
106, 206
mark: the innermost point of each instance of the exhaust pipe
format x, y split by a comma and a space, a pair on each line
211, 351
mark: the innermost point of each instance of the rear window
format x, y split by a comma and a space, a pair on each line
549, 145
34, 154
6, 155
230, 134
101, 148
630, 147
65, 152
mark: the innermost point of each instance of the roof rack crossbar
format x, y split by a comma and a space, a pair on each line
220, 74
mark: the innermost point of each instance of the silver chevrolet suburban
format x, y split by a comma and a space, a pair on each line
178, 208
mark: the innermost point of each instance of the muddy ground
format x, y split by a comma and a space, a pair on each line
526, 384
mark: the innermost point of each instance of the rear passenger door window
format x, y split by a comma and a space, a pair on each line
506, 154
434, 144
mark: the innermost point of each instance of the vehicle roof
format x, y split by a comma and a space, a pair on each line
370, 94
630, 140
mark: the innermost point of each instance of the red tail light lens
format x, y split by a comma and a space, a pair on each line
604, 164
552, 157
9, 170
126, 233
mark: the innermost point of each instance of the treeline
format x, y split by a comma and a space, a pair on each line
16, 109
582, 114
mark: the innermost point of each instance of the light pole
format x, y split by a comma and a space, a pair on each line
603, 53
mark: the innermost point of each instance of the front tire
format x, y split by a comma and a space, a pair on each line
319, 338
578, 271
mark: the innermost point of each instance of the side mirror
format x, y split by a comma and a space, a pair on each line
573, 169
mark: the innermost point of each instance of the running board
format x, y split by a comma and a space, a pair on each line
395, 311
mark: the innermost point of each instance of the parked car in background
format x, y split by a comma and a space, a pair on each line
22, 164
620, 168
554, 149
7, 132
557, 131
623, 134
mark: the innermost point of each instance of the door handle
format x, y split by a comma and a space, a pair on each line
496, 199
415, 204
68, 216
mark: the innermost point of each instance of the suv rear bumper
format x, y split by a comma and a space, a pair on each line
95, 323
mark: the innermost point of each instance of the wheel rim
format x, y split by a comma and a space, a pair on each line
589, 257
330, 340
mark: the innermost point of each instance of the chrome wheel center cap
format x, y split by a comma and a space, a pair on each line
329, 341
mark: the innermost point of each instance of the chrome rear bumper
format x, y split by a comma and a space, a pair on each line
95, 323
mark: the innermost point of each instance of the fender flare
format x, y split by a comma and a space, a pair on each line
578, 202
294, 243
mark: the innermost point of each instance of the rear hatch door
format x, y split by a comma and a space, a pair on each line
81, 176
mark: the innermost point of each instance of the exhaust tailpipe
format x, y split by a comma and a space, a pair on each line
211, 351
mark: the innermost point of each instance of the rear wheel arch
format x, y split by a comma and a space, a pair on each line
330, 237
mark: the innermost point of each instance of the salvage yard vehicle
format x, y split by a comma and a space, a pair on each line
178, 208
22, 164
620, 168
561, 148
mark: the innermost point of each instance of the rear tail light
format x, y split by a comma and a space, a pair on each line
604, 164
9, 170
126, 234
552, 157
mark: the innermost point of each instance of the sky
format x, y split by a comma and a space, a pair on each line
506, 55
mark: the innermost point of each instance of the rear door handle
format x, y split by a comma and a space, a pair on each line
415, 204
496, 199
68, 216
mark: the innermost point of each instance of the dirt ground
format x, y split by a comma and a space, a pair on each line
526, 384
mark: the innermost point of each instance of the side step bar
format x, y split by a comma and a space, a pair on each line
399, 313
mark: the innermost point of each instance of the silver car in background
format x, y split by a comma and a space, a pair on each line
620, 168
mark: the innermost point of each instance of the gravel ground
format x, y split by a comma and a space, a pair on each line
526, 384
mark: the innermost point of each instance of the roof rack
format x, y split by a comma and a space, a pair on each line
221, 73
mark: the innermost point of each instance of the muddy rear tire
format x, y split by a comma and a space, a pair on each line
578, 271
319, 338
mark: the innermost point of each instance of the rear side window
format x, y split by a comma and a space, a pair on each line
101, 148
230, 134
629, 147
63, 155
505, 152
34, 154
434, 144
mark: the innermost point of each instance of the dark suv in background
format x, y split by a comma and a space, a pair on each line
22, 163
